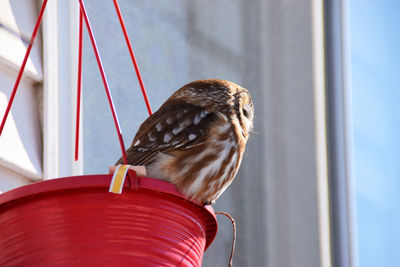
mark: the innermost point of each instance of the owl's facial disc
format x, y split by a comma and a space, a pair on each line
246, 112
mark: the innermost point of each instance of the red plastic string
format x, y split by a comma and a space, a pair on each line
79, 87
21, 70
103, 76
128, 43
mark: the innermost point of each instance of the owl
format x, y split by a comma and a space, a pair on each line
196, 139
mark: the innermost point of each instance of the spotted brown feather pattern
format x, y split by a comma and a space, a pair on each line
197, 138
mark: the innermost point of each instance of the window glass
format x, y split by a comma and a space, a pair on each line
174, 44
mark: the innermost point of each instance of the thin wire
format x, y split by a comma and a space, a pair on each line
233, 238
79, 88
128, 43
103, 76
21, 70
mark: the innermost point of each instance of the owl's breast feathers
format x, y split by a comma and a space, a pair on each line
197, 150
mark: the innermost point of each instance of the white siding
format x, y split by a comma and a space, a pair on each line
20, 143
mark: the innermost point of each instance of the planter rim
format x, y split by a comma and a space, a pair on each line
103, 181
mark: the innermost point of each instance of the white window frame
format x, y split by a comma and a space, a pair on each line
60, 46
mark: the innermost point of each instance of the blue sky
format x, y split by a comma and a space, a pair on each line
375, 56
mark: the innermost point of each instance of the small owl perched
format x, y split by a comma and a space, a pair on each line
196, 139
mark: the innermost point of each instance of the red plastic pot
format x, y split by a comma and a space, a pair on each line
75, 221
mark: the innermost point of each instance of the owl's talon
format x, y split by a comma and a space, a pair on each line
211, 202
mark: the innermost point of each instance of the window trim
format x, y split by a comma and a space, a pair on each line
344, 248
60, 50
321, 132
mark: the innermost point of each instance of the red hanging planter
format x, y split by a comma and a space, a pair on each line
75, 221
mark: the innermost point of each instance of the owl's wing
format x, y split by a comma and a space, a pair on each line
177, 126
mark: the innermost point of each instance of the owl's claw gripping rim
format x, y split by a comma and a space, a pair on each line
210, 202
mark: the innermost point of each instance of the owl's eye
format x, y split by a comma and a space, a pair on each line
246, 111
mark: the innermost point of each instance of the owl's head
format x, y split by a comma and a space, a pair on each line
221, 97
